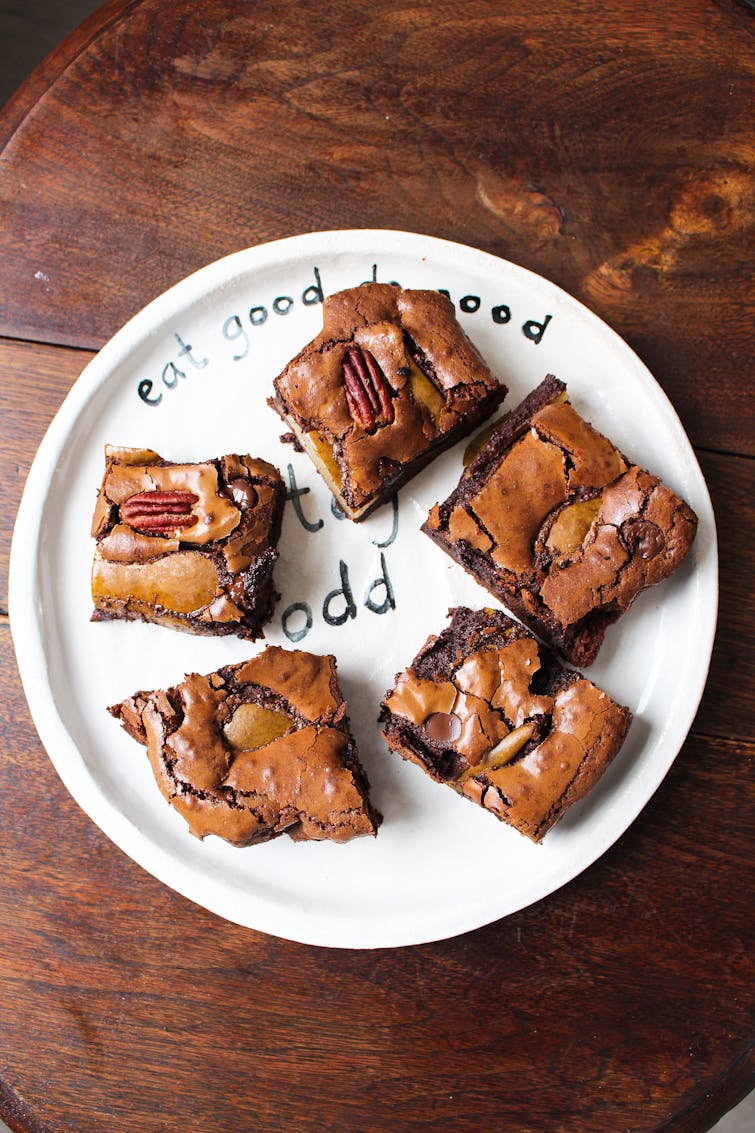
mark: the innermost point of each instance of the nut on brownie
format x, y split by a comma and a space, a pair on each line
190, 546
390, 381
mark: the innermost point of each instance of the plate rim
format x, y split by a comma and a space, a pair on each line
24, 585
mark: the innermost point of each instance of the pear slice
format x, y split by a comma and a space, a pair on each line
424, 392
502, 753
571, 525
253, 726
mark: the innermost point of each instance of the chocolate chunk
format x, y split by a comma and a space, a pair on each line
242, 492
641, 537
442, 727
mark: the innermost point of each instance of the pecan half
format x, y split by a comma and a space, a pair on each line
159, 512
367, 392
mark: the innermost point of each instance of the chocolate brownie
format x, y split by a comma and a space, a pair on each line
487, 710
390, 381
190, 546
257, 749
559, 525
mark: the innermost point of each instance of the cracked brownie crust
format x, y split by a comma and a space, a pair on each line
485, 709
191, 546
389, 382
257, 749
560, 525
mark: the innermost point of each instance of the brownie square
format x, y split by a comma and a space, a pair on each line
487, 710
191, 546
561, 526
390, 381
257, 749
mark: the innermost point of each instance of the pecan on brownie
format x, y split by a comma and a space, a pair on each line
191, 546
390, 381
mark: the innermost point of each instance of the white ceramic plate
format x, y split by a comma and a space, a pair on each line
189, 377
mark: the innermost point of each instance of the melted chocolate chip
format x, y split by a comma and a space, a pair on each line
641, 537
242, 493
442, 727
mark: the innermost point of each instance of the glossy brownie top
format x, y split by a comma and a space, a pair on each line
486, 710
187, 545
389, 377
551, 516
257, 749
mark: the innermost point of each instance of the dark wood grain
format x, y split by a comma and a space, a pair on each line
36, 85
728, 704
610, 150
606, 147
34, 380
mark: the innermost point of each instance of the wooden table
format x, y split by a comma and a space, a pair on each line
607, 148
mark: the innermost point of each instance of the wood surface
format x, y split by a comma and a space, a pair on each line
607, 149
28, 33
